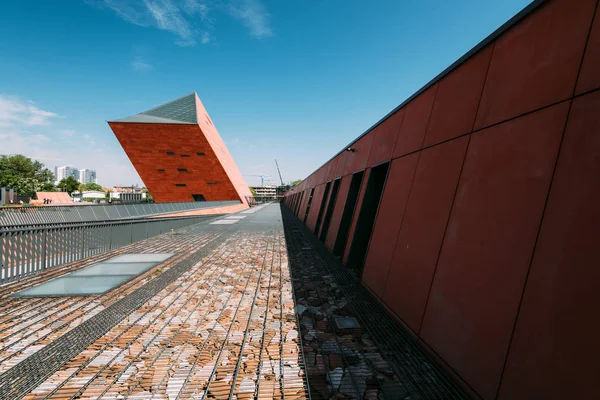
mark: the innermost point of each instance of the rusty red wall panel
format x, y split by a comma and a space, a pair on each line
385, 138
555, 347
387, 224
357, 160
338, 209
331, 169
422, 232
457, 99
489, 243
361, 196
341, 164
589, 78
314, 207
414, 123
535, 63
304, 204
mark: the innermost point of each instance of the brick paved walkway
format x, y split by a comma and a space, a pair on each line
230, 322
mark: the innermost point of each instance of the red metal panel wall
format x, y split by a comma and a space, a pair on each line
414, 123
384, 140
357, 160
336, 217
457, 99
589, 78
556, 338
504, 335
423, 226
489, 242
535, 63
387, 225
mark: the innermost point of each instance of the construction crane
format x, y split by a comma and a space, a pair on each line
279, 172
262, 178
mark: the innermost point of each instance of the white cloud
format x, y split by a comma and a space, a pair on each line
253, 15
31, 145
13, 112
68, 132
189, 19
140, 65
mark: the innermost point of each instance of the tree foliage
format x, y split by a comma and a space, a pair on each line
25, 175
296, 182
252, 191
68, 184
149, 197
90, 186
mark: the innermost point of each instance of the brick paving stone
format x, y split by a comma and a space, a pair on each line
250, 320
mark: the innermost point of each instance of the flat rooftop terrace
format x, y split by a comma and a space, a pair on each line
249, 306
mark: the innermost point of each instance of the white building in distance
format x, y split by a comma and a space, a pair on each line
65, 171
265, 191
87, 176
82, 175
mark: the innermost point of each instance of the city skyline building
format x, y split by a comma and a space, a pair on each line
87, 176
84, 175
65, 171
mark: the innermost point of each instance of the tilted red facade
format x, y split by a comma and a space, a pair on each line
181, 161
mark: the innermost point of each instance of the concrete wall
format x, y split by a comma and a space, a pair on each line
484, 245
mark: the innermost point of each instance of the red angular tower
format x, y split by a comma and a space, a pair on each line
179, 154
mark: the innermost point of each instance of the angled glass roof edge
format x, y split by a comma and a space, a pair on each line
169, 102
150, 119
146, 113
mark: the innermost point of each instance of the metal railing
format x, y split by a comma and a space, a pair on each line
13, 216
26, 251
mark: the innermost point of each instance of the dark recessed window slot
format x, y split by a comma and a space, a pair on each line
201, 153
185, 155
211, 183
180, 184
160, 171
181, 170
170, 153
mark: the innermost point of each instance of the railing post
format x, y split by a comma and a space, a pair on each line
44, 234
82, 255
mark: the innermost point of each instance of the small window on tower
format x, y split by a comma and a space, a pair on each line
160, 171
211, 183
185, 155
182, 170
180, 184
170, 153
201, 153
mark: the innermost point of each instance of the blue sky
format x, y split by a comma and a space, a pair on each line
281, 79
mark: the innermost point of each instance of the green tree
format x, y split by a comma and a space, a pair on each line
252, 191
68, 184
149, 197
296, 182
90, 186
25, 175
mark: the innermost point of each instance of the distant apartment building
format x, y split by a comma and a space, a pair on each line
65, 171
265, 191
82, 175
87, 176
